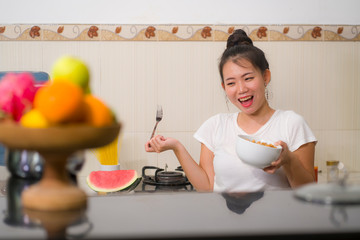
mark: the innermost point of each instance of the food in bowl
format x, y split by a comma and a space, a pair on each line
256, 152
263, 143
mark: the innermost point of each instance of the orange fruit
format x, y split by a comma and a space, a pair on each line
96, 112
59, 101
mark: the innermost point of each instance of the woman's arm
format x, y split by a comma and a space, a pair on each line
200, 175
298, 165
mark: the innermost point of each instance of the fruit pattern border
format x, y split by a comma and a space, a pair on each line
118, 32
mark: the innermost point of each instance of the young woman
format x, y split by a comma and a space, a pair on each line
245, 74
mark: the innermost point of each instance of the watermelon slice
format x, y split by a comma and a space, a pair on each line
111, 181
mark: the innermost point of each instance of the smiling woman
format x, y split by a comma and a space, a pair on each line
245, 74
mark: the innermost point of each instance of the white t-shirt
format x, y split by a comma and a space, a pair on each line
219, 133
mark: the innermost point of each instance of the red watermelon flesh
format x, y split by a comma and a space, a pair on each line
111, 181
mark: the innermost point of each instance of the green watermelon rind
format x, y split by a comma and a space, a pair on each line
116, 189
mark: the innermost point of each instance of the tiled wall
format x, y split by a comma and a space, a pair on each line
315, 71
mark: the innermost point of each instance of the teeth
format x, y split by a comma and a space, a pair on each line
245, 99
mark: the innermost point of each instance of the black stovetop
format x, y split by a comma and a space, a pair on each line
155, 179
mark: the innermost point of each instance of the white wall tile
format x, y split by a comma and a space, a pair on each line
146, 89
185, 77
117, 80
338, 145
21, 56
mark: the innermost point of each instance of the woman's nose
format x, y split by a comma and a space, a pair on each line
242, 87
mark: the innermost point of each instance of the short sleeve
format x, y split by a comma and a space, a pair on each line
206, 134
299, 132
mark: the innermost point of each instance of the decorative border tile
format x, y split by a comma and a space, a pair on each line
70, 33
185, 33
114, 32
20, 33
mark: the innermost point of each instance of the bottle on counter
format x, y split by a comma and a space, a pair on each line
332, 170
316, 169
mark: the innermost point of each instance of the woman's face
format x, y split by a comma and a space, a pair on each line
245, 86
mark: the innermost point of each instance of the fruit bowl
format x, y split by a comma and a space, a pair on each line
255, 152
64, 138
55, 144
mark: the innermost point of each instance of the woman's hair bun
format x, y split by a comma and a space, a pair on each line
237, 38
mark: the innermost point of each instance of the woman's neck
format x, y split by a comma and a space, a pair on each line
251, 123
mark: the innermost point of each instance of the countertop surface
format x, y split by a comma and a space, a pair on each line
168, 215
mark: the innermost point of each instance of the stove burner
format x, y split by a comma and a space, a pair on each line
166, 188
170, 177
165, 178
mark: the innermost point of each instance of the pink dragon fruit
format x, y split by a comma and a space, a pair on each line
17, 92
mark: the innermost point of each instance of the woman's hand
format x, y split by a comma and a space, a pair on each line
283, 158
298, 165
159, 144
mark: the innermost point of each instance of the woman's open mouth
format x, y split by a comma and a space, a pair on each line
246, 101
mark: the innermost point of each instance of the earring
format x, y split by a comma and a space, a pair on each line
227, 102
268, 94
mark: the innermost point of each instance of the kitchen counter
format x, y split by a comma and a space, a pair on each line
169, 215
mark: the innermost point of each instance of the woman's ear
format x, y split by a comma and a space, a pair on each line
267, 77
223, 85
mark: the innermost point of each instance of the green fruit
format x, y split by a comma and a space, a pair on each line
72, 69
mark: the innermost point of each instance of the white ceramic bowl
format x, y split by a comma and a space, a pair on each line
255, 154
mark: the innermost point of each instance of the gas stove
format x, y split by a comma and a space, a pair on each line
155, 179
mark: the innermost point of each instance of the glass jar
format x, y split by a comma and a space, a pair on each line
332, 170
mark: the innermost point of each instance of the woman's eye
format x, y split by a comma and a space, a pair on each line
249, 78
230, 83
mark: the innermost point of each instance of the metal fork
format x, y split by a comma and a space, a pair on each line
159, 116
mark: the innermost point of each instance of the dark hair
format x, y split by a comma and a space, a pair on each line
240, 46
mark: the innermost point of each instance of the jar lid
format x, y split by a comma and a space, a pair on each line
332, 163
329, 193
